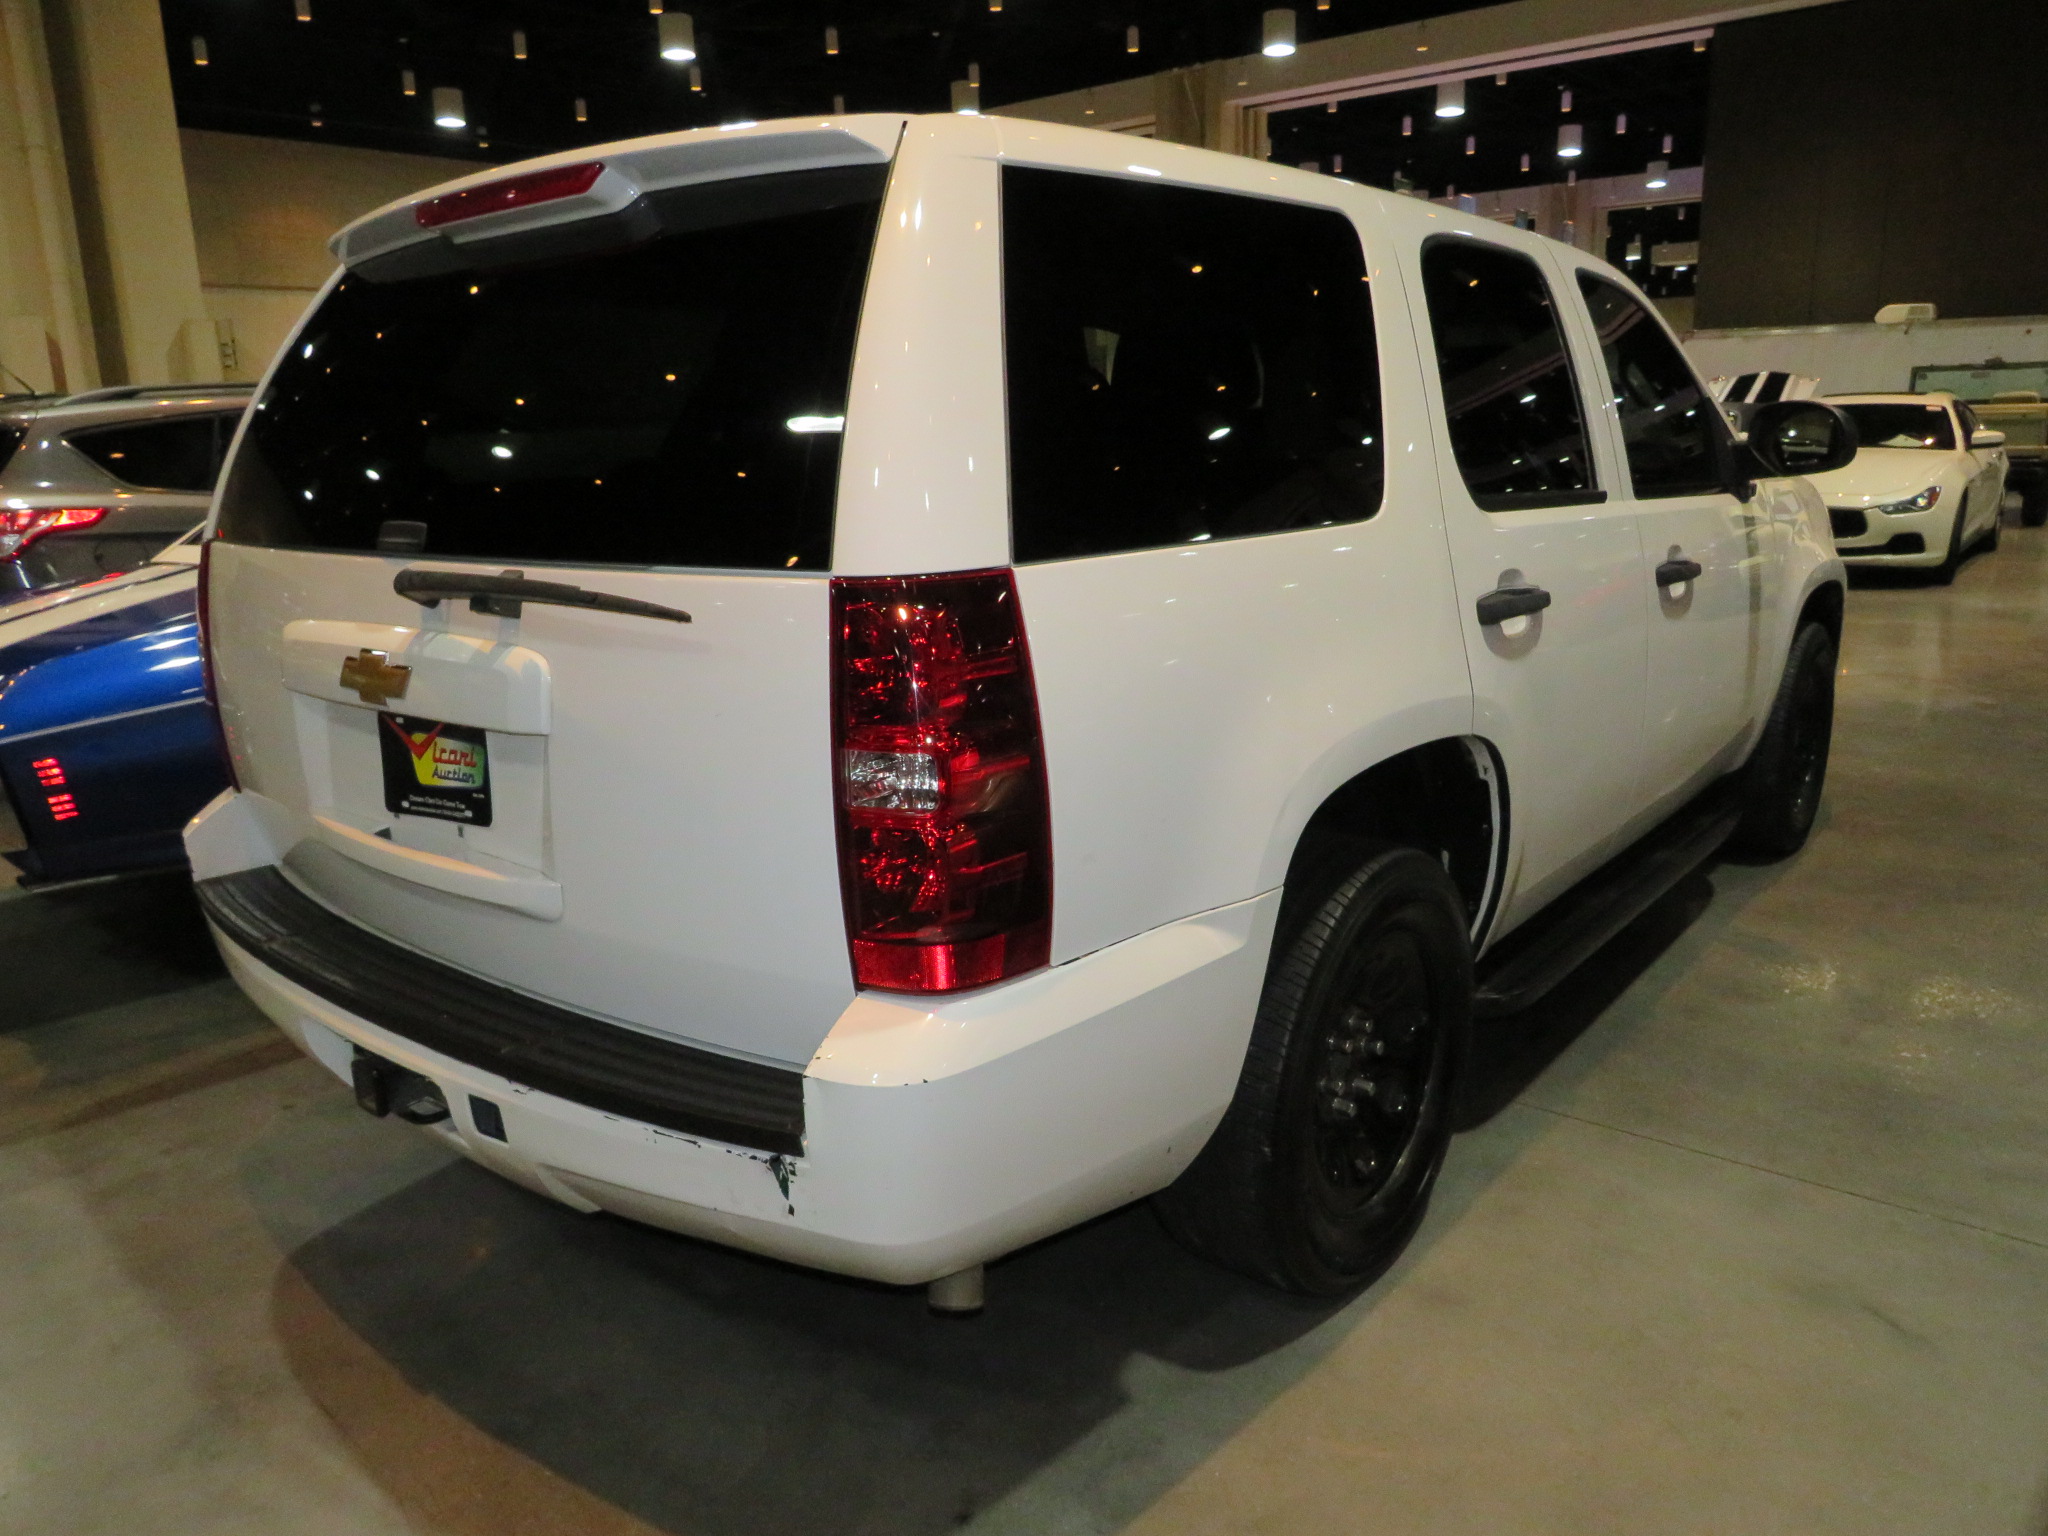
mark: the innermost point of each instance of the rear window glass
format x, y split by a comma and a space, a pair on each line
679, 402
1517, 429
1901, 426
181, 453
1183, 365
11, 435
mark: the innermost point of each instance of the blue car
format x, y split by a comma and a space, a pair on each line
107, 742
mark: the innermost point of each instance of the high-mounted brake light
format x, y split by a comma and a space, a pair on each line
945, 838
22, 526
512, 192
207, 679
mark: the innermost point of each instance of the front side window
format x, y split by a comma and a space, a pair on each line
1517, 429
1669, 427
675, 402
1183, 365
1900, 426
181, 453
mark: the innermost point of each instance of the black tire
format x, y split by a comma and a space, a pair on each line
1945, 573
1323, 1165
2034, 502
1782, 785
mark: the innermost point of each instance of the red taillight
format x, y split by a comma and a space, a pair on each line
512, 192
945, 840
22, 526
206, 673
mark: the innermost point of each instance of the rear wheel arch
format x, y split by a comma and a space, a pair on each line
1823, 606
1447, 797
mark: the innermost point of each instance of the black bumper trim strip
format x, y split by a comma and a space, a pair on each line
540, 1045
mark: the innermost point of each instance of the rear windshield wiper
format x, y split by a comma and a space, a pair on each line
502, 595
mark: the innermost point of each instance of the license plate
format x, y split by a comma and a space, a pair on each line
435, 769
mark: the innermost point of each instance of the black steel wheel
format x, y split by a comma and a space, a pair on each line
1782, 785
1324, 1163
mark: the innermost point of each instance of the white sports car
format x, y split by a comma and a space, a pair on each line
1926, 486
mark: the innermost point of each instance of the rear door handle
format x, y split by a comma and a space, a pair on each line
1504, 603
1672, 572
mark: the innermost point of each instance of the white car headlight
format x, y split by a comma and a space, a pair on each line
1921, 503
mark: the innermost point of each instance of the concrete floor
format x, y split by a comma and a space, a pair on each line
1749, 1233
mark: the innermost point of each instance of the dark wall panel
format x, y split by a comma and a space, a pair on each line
1876, 152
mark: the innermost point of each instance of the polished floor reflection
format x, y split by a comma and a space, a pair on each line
1748, 1232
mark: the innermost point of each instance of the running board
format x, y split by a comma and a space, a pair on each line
1557, 941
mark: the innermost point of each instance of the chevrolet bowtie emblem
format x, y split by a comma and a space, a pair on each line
374, 678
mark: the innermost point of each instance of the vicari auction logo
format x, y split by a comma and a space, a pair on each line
438, 761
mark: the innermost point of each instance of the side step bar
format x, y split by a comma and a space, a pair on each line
1550, 946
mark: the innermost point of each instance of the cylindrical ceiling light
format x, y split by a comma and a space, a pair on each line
974, 76
313, 111
1621, 122
407, 83
654, 7
303, 9
966, 98
677, 35
448, 110
696, 78
995, 5
1525, 162
1336, 165
831, 40
1407, 127
1667, 143
1501, 78
582, 110
518, 43
1130, 39
1658, 175
1571, 141
1471, 145
199, 54
1276, 34
838, 105
1450, 98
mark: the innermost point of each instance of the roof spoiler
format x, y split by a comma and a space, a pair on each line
434, 231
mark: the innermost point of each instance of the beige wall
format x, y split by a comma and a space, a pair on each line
262, 210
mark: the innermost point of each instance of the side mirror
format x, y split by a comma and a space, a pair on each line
1800, 437
1985, 437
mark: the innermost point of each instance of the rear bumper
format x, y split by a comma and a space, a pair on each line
934, 1137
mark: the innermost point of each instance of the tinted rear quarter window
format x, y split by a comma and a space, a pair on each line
179, 453
1183, 365
1517, 428
676, 402
12, 435
1671, 430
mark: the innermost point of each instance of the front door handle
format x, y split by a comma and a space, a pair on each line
1672, 572
1504, 603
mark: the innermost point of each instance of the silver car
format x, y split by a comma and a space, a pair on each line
97, 483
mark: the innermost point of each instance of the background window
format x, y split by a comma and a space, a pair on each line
182, 453
1516, 425
1183, 365
1669, 426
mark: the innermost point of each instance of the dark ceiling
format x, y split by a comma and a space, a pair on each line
1661, 90
760, 59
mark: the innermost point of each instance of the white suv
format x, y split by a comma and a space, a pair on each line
870, 690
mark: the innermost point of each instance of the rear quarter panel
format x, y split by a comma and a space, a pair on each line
1200, 702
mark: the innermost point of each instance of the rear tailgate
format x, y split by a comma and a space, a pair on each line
667, 790
623, 814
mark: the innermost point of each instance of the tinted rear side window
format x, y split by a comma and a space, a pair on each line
181, 453
1671, 429
675, 403
1183, 365
12, 434
1517, 428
